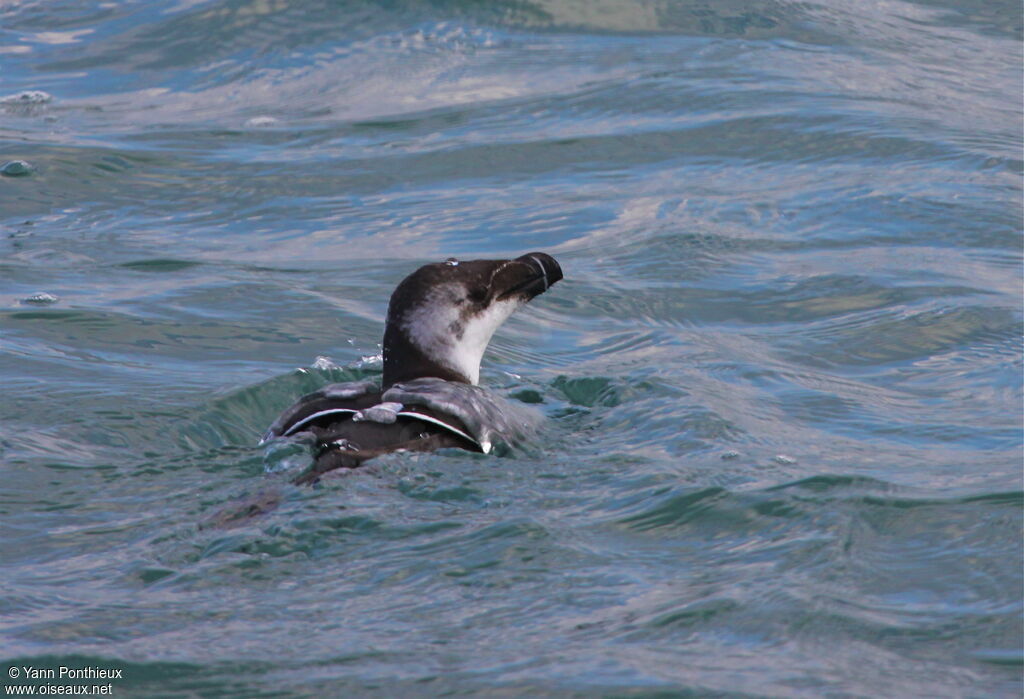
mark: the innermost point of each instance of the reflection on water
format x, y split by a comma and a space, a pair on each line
782, 376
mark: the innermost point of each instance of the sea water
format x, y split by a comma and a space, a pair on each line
780, 384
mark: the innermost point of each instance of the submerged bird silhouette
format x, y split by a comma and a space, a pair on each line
439, 322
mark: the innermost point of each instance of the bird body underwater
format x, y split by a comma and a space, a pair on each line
440, 320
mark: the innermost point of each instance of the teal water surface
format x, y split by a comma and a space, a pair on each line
781, 381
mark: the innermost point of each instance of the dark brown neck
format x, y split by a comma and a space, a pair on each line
403, 361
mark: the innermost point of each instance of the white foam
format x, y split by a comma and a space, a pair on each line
41, 298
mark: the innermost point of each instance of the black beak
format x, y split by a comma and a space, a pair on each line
548, 267
535, 275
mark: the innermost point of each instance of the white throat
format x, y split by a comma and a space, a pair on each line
434, 326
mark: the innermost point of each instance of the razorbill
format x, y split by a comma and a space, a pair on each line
439, 322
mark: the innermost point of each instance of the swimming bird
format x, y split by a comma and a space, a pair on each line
439, 322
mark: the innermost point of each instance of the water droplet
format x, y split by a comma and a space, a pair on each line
15, 168
729, 455
27, 97
369, 361
42, 298
323, 363
783, 459
261, 121
452, 262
